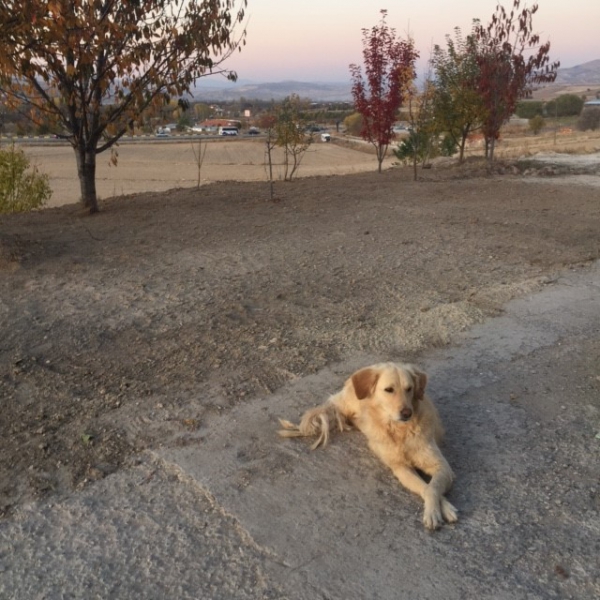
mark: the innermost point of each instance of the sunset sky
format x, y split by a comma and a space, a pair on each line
316, 40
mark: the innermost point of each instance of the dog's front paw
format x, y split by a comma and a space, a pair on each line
448, 511
432, 517
438, 510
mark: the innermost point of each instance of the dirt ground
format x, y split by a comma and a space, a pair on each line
124, 330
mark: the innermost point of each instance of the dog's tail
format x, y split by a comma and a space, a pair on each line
319, 421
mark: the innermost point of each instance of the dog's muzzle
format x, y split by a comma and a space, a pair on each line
405, 414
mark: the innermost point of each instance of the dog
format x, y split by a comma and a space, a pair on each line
387, 403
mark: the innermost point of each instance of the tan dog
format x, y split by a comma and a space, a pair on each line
387, 402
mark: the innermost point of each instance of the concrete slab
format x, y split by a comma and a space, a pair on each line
342, 526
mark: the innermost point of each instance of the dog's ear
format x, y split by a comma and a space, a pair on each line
420, 382
364, 382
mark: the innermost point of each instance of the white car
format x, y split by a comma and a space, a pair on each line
325, 137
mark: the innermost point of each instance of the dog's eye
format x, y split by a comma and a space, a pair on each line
409, 388
389, 390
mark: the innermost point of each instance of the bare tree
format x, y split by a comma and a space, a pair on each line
268, 123
199, 154
291, 135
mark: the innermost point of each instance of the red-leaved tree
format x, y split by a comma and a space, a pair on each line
389, 64
511, 60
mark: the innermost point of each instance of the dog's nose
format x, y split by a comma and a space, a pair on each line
405, 414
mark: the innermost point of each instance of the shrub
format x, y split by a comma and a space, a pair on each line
527, 109
448, 146
353, 124
536, 124
566, 105
589, 119
414, 147
21, 188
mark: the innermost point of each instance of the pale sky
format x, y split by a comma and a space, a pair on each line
316, 40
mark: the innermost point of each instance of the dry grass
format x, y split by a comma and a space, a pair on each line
160, 166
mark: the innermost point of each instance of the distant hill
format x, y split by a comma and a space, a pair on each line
585, 74
583, 80
207, 90
317, 92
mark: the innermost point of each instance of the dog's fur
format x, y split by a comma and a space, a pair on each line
387, 403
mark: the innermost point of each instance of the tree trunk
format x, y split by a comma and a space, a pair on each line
491, 149
381, 152
86, 170
269, 148
286, 162
199, 157
463, 143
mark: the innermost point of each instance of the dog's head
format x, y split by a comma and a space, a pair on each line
394, 390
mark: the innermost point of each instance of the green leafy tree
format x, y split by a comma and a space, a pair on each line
422, 142
448, 146
22, 187
566, 105
459, 108
202, 111
92, 66
184, 122
412, 149
389, 70
527, 109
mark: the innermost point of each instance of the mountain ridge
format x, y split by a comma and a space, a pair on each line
277, 90
586, 74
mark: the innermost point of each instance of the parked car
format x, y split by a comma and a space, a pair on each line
402, 128
325, 137
253, 131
